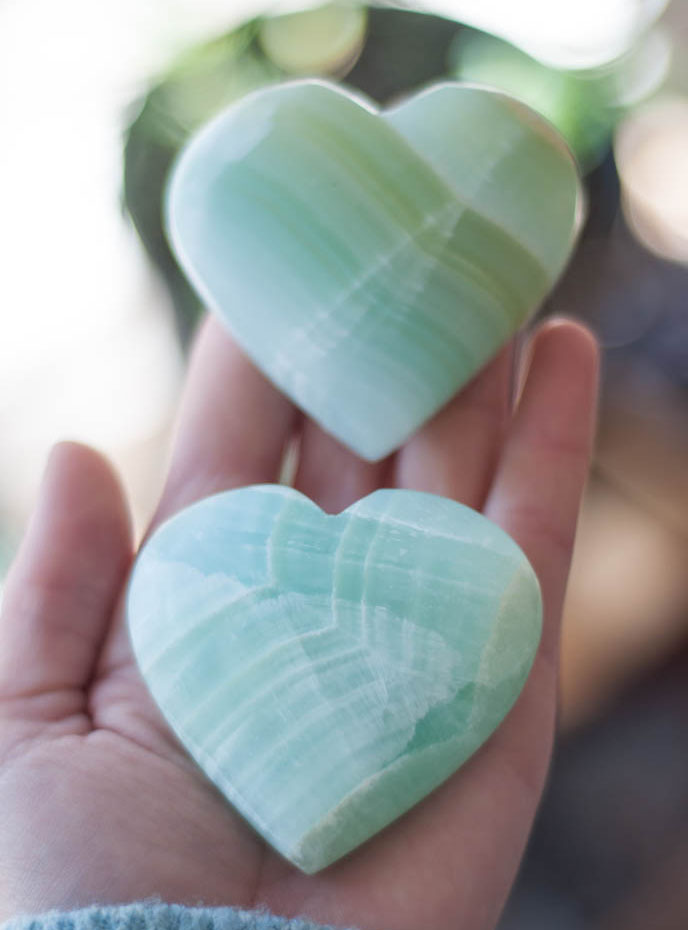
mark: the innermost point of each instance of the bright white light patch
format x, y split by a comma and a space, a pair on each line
652, 157
565, 33
88, 350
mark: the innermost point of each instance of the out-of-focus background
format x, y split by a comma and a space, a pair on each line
95, 99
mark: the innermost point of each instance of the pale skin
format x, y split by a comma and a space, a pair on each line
100, 804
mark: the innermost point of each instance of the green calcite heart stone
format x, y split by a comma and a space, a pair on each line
370, 263
327, 672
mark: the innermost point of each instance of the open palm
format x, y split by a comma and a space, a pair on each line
100, 804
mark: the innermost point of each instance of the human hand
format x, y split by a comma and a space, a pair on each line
101, 805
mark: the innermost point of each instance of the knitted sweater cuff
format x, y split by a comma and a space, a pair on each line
153, 915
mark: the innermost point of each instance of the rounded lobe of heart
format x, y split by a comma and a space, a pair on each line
370, 263
328, 672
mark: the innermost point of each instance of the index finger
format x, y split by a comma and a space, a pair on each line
232, 428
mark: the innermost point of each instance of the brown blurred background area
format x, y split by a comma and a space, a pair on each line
96, 99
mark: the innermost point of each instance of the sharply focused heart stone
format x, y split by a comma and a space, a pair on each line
370, 263
327, 672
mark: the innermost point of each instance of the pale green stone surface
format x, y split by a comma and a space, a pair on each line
371, 264
327, 672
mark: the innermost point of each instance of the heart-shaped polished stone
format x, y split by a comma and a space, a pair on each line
327, 672
370, 263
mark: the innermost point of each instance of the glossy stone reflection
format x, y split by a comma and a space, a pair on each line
371, 263
327, 672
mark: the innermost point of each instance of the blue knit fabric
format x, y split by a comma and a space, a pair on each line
156, 916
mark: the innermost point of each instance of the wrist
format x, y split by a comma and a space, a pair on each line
156, 915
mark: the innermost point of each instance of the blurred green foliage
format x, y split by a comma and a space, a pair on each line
579, 104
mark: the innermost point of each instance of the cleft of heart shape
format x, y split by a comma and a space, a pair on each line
370, 263
328, 672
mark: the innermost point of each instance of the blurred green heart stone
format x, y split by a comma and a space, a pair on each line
328, 672
371, 262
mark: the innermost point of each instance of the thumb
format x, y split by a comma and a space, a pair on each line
59, 596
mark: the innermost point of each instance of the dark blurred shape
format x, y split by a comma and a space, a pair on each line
404, 51
634, 300
614, 815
